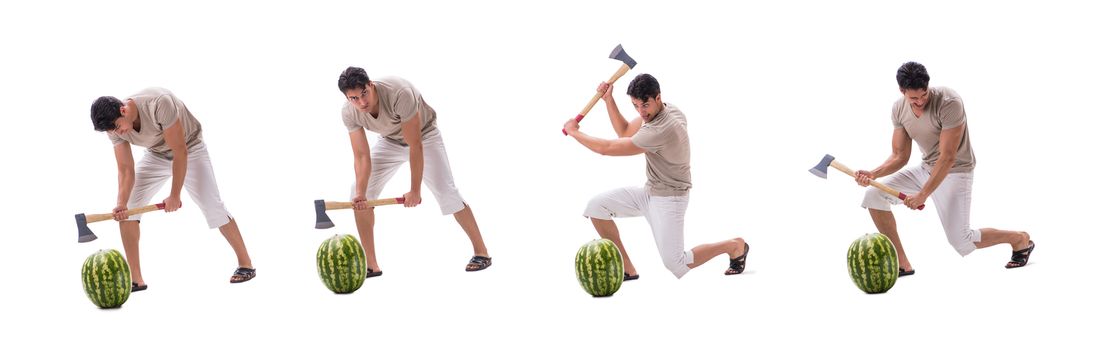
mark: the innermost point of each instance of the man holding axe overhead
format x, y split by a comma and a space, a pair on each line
155, 119
934, 117
394, 109
660, 134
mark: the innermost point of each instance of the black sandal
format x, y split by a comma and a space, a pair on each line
478, 263
906, 272
629, 277
1020, 257
737, 265
138, 288
242, 274
371, 273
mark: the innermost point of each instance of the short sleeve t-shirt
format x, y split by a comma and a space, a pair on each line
666, 147
158, 109
398, 102
944, 110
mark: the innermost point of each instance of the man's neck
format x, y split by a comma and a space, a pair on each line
657, 114
137, 121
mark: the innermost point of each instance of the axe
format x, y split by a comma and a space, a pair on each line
82, 220
322, 207
828, 160
627, 64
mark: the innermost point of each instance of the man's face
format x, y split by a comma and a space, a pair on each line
124, 124
648, 109
364, 99
916, 97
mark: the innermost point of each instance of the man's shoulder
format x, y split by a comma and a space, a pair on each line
349, 110
946, 94
152, 93
393, 83
898, 107
153, 96
671, 108
672, 112
671, 119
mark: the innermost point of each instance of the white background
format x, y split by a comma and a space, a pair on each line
768, 87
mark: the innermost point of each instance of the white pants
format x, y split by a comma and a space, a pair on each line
666, 216
952, 198
386, 156
154, 170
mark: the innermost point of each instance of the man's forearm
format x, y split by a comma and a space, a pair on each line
125, 186
179, 172
594, 144
890, 165
938, 173
415, 158
362, 174
616, 118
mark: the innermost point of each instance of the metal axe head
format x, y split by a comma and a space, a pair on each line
322, 219
821, 169
84, 233
620, 55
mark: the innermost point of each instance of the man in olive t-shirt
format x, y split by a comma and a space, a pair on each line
660, 134
394, 109
934, 117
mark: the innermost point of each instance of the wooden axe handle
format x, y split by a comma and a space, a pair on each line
103, 217
373, 203
595, 99
874, 183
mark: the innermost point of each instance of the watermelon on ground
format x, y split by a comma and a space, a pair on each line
599, 268
106, 278
872, 263
341, 264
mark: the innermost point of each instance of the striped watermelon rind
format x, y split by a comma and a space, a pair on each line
341, 264
106, 278
872, 263
599, 268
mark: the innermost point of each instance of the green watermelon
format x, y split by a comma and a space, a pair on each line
872, 263
341, 264
106, 278
599, 268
